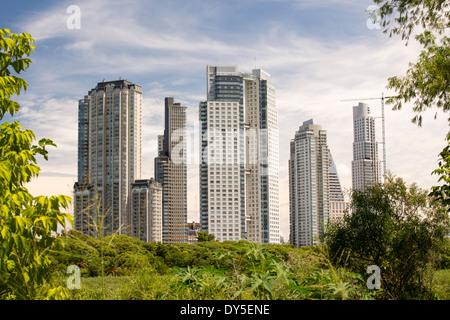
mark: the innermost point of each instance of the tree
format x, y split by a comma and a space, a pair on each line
442, 192
26, 221
427, 81
205, 236
395, 227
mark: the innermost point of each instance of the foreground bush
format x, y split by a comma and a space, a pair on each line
27, 222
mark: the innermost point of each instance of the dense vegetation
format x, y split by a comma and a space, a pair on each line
401, 229
205, 270
211, 270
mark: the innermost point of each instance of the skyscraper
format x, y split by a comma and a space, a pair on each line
309, 193
336, 193
83, 140
113, 155
146, 210
261, 147
222, 171
170, 172
365, 164
239, 152
338, 206
82, 190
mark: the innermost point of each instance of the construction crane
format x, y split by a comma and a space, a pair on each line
382, 122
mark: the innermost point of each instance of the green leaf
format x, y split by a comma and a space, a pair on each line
10, 265
26, 222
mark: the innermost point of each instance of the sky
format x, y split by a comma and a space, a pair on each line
318, 53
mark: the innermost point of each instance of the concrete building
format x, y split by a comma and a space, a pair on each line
336, 192
239, 156
365, 164
338, 206
84, 209
170, 172
338, 209
146, 210
109, 149
193, 229
82, 190
262, 156
222, 171
309, 191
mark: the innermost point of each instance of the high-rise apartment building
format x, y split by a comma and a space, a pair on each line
309, 191
239, 150
336, 193
82, 191
171, 173
338, 209
261, 147
146, 210
109, 160
222, 169
83, 140
338, 206
365, 164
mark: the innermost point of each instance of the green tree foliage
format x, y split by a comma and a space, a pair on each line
442, 192
395, 227
205, 236
26, 222
427, 81
402, 16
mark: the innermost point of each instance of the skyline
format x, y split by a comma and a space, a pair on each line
317, 52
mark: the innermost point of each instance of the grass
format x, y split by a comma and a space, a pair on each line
263, 279
147, 284
144, 285
213, 271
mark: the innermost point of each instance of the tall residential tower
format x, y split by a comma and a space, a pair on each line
146, 210
239, 151
365, 164
309, 185
170, 172
109, 156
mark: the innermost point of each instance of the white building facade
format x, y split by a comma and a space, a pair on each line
309, 195
239, 151
365, 164
146, 210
